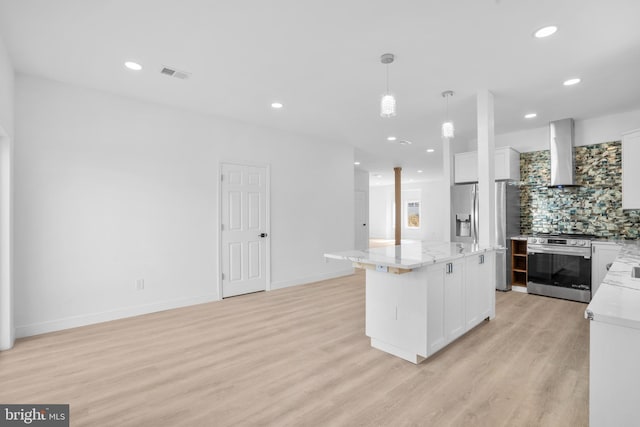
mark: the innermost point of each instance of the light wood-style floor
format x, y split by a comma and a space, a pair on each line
299, 356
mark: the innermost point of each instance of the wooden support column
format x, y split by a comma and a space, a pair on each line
398, 177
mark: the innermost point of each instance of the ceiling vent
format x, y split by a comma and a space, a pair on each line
172, 72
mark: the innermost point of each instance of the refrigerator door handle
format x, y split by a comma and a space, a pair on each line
477, 209
475, 213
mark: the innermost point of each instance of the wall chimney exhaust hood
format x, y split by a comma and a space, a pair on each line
561, 136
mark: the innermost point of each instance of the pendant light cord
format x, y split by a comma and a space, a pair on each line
387, 78
446, 119
447, 94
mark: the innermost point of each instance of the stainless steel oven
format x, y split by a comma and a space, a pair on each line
560, 267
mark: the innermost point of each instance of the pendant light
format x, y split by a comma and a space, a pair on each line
388, 101
448, 130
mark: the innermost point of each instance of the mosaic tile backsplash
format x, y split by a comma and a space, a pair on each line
594, 208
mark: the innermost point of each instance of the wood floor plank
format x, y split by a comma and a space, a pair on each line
299, 356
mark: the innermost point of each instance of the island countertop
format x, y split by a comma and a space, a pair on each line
410, 255
617, 300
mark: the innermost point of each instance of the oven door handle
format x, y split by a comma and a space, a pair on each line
559, 251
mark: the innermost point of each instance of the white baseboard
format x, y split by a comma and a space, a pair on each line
522, 289
310, 279
105, 316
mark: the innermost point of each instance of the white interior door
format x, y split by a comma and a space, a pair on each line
244, 194
361, 220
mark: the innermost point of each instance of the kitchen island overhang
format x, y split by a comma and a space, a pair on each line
422, 296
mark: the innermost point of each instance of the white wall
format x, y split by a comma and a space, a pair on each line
433, 221
380, 212
587, 132
110, 189
606, 128
361, 180
6, 90
7, 331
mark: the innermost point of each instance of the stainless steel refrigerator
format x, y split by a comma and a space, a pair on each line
464, 222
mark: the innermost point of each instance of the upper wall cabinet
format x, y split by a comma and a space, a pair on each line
465, 167
507, 165
631, 170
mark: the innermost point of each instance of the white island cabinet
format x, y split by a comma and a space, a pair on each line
479, 297
445, 304
421, 297
614, 344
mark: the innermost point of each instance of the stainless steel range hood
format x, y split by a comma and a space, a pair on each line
562, 158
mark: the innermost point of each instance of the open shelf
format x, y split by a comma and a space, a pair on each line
519, 263
519, 278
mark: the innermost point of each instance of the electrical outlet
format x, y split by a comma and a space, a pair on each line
140, 284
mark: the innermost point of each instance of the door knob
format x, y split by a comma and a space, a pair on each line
263, 235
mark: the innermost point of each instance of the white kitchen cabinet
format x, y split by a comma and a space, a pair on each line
414, 312
479, 284
614, 351
465, 167
507, 165
602, 253
395, 311
631, 170
454, 324
445, 304
614, 344
436, 337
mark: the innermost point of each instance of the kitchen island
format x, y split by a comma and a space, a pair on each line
614, 345
422, 296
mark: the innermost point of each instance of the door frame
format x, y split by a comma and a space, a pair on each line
267, 166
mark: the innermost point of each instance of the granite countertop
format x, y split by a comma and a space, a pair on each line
617, 300
610, 240
410, 255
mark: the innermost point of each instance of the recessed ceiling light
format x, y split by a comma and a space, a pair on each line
391, 138
276, 105
530, 115
545, 31
404, 142
356, 163
430, 150
419, 170
377, 175
571, 82
133, 66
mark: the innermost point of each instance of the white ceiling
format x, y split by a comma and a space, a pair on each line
322, 60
